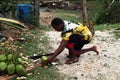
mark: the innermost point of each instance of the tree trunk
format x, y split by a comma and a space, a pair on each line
85, 17
84, 12
36, 9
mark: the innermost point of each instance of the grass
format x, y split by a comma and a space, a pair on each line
33, 38
107, 26
74, 16
117, 33
45, 74
115, 28
30, 46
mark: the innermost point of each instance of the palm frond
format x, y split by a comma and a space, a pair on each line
13, 23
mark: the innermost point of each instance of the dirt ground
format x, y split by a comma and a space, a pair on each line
46, 17
105, 66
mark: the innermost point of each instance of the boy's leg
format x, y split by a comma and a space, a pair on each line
70, 55
94, 48
73, 41
72, 60
74, 55
75, 48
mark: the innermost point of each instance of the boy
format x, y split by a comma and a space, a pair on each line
74, 37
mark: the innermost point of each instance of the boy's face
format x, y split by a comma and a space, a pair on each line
58, 28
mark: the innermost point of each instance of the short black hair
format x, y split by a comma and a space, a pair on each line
56, 21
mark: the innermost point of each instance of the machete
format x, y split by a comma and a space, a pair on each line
39, 56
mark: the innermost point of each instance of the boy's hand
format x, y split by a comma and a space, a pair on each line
50, 59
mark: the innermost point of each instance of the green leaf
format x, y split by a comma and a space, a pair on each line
13, 23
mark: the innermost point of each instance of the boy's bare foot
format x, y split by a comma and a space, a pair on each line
72, 60
68, 56
94, 48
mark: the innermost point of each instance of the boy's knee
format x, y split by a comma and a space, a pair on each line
70, 46
76, 53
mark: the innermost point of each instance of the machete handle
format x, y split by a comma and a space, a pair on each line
39, 56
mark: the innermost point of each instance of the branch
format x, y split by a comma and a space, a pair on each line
111, 4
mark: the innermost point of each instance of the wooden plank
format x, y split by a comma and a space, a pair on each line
8, 77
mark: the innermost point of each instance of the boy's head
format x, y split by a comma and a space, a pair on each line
57, 24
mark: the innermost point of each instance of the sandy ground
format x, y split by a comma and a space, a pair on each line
105, 66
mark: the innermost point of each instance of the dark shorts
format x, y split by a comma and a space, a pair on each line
77, 42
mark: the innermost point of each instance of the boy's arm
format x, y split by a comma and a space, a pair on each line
60, 48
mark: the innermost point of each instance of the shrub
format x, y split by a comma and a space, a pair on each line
110, 15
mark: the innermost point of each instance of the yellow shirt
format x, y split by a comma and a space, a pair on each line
73, 28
